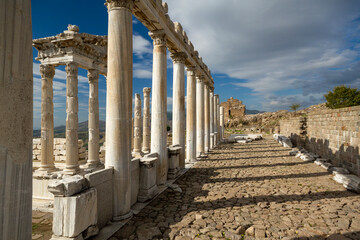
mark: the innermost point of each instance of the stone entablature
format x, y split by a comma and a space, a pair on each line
89, 51
233, 109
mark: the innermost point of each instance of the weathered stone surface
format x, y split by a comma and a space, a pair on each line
254, 185
73, 215
68, 186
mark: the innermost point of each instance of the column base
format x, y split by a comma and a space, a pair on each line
201, 156
145, 150
123, 217
71, 171
42, 172
137, 154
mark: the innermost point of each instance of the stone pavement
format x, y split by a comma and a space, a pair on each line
250, 191
41, 225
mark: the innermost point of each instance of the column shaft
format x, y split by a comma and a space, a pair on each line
199, 116
159, 105
191, 115
207, 118
178, 120
93, 124
211, 119
218, 119
146, 121
72, 149
215, 120
221, 123
16, 124
119, 103
137, 126
47, 118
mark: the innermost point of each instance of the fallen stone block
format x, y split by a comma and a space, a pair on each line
326, 166
352, 183
338, 170
68, 186
320, 161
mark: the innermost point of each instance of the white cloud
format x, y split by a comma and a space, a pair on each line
141, 46
274, 45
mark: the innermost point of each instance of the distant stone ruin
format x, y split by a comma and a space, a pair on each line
233, 109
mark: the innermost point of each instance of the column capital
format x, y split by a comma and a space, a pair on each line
146, 91
191, 71
93, 75
158, 37
47, 71
178, 57
200, 78
71, 69
116, 4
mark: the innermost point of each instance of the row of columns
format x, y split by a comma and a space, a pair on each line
47, 164
119, 112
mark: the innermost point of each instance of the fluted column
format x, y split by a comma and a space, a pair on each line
146, 121
47, 119
215, 120
207, 118
200, 150
191, 115
137, 127
16, 119
93, 123
119, 103
211, 118
178, 119
159, 104
221, 123
72, 149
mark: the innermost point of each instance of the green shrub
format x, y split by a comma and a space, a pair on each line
342, 96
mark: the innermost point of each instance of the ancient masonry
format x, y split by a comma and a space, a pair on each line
233, 109
87, 195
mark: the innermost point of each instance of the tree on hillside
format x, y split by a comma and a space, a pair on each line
295, 106
342, 96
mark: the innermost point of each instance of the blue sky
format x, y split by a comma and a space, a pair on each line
269, 54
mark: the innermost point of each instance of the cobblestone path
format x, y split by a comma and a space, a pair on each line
251, 191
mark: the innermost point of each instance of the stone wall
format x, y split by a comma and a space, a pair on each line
233, 109
331, 133
59, 152
295, 128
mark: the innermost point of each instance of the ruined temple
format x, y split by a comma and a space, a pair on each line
233, 109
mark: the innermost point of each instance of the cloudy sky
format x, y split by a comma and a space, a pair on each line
267, 53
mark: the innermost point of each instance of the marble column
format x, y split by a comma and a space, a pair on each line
200, 150
47, 119
191, 115
218, 119
221, 123
72, 149
159, 105
16, 124
211, 118
146, 121
178, 119
215, 120
93, 123
206, 118
119, 103
137, 127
